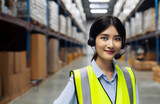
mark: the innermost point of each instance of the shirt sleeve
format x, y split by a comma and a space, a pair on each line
68, 95
137, 96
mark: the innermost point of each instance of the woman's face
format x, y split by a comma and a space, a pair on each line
108, 43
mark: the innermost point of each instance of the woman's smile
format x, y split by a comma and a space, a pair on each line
109, 51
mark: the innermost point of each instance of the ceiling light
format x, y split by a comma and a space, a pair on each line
99, 0
98, 5
98, 10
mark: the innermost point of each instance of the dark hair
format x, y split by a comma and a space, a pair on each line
101, 24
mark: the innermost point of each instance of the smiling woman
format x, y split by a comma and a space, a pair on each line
108, 44
110, 26
103, 82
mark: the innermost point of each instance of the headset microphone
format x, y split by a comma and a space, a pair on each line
117, 56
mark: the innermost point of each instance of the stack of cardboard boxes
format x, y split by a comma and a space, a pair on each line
53, 57
38, 56
145, 63
15, 76
156, 73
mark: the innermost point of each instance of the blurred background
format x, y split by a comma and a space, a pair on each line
43, 40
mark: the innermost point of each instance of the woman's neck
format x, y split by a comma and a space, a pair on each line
105, 65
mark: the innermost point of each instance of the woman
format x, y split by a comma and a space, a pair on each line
103, 82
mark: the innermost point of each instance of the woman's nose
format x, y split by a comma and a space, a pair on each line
110, 43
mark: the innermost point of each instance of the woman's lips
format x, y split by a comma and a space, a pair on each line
109, 51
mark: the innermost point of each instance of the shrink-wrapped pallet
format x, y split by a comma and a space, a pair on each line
12, 9
53, 15
118, 7
80, 7
77, 15
127, 29
139, 23
38, 11
132, 27
69, 26
74, 31
149, 20
62, 25
22, 9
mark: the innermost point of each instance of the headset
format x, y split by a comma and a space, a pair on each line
91, 42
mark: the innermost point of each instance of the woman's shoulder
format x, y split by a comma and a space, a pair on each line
78, 69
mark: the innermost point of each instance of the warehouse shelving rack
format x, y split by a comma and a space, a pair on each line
64, 42
134, 42
32, 28
13, 28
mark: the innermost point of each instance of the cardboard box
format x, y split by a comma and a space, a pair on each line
6, 63
38, 56
16, 62
24, 80
53, 56
156, 73
62, 53
150, 56
23, 61
44, 57
70, 57
0, 87
75, 55
144, 65
20, 81
6, 69
14, 84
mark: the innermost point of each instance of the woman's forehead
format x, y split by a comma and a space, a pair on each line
111, 30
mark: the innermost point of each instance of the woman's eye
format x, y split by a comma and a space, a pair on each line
117, 39
104, 38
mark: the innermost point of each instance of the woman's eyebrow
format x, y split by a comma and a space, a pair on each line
105, 34
117, 36
109, 35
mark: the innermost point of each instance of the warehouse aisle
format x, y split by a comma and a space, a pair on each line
49, 90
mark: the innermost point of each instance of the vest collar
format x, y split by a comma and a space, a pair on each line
98, 72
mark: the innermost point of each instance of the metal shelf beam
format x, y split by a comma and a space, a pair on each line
157, 37
34, 28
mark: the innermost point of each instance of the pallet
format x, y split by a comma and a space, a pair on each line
149, 31
133, 36
62, 34
36, 83
138, 35
37, 23
52, 30
5, 100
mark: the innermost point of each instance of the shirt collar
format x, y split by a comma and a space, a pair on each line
98, 72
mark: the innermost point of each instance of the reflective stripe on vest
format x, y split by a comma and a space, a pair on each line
90, 91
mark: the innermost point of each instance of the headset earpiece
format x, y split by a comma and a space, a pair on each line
117, 56
123, 44
91, 42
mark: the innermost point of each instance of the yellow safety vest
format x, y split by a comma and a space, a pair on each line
90, 91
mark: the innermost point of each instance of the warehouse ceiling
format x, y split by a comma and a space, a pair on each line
105, 5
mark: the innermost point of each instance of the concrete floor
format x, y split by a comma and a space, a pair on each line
50, 89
